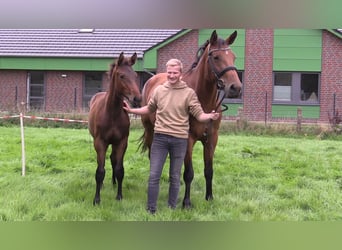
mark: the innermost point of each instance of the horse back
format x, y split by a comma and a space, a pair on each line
150, 85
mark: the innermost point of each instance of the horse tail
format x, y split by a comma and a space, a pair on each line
142, 146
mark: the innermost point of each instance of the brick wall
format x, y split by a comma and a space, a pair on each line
12, 89
60, 92
258, 73
331, 76
184, 49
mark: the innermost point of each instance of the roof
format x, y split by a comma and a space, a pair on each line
336, 32
339, 31
98, 43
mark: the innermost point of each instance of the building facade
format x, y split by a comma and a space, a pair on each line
285, 72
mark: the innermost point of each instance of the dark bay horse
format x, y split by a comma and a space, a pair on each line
213, 76
109, 123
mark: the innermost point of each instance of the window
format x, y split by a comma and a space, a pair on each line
92, 85
144, 76
309, 87
36, 90
240, 74
282, 86
296, 87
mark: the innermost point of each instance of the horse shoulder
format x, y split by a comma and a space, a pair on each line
96, 98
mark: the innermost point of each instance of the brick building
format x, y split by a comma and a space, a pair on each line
281, 70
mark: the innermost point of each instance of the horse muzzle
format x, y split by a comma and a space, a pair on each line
233, 91
136, 101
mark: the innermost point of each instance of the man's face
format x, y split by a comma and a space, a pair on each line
173, 74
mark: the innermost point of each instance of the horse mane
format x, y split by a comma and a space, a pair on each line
199, 54
111, 70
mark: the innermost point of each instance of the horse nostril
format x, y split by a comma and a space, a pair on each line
234, 91
137, 99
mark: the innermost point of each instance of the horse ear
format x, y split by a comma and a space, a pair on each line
231, 38
121, 58
213, 37
133, 58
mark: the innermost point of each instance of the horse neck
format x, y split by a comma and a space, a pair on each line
114, 99
204, 85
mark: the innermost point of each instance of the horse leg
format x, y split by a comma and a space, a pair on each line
113, 163
208, 155
188, 174
208, 173
101, 149
116, 157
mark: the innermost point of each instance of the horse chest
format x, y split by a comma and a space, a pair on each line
198, 129
114, 130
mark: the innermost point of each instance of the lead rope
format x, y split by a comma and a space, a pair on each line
225, 107
210, 124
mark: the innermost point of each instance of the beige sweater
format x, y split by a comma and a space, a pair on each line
172, 104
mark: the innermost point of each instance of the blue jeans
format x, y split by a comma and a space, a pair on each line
162, 145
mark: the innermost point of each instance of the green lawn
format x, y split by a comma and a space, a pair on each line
256, 178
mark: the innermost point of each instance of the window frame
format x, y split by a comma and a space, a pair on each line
296, 89
34, 99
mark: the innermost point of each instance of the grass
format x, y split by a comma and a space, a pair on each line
256, 178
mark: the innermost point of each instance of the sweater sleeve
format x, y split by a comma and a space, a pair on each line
152, 103
195, 107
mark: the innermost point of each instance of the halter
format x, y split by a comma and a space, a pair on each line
218, 75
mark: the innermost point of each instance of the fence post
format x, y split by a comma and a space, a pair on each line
239, 118
266, 103
75, 99
23, 158
16, 96
334, 105
299, 119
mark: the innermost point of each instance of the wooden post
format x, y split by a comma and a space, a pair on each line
23, 158
239, 118
299, 119
266, 103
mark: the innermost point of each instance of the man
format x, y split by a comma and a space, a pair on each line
172, 101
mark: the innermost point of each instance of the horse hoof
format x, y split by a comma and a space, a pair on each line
118, 197
187, 205
96, 202
209, 197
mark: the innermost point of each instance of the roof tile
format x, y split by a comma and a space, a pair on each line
103, 43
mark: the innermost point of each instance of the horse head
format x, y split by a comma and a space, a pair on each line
125, 78
221, 62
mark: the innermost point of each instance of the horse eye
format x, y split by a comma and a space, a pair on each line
216, 57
